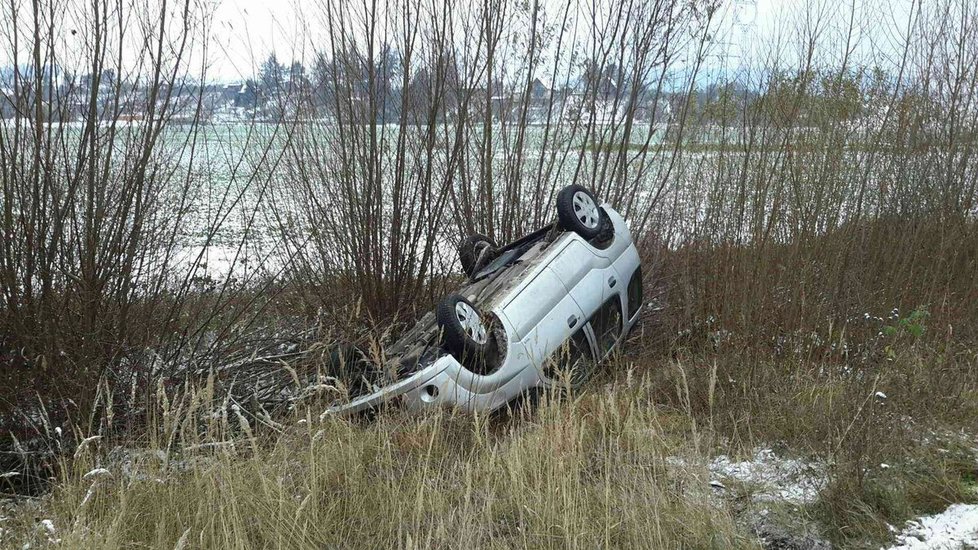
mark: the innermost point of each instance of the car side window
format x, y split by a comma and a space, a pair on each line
635, 292
573, 355
607, 323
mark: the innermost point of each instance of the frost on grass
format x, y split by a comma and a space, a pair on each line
772, 483
767, 477
954, 528
771, 478
97, 472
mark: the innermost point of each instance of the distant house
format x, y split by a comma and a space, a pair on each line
604, 86
246, 96
7, 107
661, 111
539, 92
540, 101
649, 108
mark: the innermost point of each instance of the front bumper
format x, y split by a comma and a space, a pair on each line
445, 382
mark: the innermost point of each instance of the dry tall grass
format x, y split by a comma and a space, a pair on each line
621, 465
594, 472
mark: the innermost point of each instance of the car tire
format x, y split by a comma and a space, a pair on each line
464, 333
578, 210
474, 251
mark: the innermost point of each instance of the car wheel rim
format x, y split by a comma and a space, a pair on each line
471, 323
585, 210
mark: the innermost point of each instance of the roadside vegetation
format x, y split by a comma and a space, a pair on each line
172, 290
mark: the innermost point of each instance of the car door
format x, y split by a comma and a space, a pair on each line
594, 284
574, 358
579, 269
543, 316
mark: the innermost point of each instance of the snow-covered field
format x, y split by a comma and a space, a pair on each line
953, 529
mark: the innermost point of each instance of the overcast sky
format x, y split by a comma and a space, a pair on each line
244, 32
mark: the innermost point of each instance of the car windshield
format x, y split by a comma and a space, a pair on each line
502, 261
512, 252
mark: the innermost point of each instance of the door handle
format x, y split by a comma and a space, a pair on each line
572, 321
612, 281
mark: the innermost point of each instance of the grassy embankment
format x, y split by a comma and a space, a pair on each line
624, 463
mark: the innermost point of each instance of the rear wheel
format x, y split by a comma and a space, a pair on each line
474, 252
464, 332
578, 211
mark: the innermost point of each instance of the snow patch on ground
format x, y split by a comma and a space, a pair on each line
772, 478
954, 528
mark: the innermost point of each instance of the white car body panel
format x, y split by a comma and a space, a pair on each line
551, 301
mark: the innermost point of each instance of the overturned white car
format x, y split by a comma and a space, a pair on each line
550, 305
